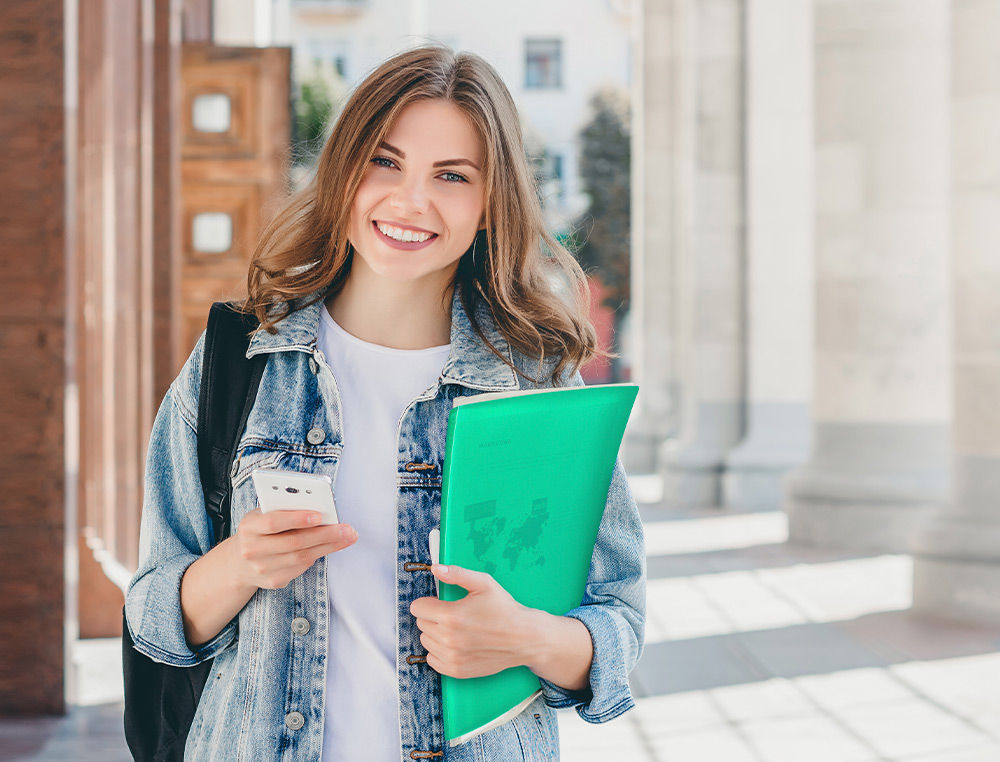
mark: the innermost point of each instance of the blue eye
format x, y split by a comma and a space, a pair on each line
382, 161
454, 177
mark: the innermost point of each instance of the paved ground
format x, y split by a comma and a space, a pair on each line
756, 651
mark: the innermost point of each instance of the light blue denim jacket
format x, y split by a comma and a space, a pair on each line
264, 698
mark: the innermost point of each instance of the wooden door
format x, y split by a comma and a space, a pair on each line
235, 146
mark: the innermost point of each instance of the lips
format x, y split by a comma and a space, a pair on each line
404, 245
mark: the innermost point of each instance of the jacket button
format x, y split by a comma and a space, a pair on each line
313, 366
294, 720
300, 625
315, 436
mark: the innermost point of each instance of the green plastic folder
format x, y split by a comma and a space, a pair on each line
526, 477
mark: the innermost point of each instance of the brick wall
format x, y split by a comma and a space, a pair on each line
32, 314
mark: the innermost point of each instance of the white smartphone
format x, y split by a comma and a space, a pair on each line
294, 491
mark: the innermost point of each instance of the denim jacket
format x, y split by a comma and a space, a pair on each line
264, 698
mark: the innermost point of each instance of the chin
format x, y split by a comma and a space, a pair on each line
402, 273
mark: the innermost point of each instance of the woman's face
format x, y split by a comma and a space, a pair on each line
421, 198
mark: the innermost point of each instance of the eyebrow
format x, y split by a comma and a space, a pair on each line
446, 163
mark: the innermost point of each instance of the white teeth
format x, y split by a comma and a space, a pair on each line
399, 234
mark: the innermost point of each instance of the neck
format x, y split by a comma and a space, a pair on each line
397, 315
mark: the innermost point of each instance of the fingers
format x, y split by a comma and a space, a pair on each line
275, 522
446, 659
276, 570
301, 527
275, 548
473, 581
429, 609
304, 552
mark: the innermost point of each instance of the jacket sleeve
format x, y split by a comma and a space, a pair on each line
175, 530
613, 608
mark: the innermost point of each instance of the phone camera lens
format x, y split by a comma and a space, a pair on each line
291, 489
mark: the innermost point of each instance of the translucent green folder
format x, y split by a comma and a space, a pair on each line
526, 477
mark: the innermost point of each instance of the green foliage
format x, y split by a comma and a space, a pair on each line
319, 95
605, 168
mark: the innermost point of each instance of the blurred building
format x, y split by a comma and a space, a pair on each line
139, 163
815, 236
816, 263
554, 56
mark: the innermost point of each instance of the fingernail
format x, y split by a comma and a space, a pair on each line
442, 569
313, 518
347, 533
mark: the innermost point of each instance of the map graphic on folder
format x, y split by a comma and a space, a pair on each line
526, 477
494, 543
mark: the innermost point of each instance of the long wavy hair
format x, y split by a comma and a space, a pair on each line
534, 289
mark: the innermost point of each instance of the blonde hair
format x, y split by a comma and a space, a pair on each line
517, 269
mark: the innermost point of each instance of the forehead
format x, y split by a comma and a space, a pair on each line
436, 130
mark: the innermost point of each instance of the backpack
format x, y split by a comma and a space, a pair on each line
160, 700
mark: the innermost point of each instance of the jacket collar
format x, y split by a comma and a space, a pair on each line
470, 362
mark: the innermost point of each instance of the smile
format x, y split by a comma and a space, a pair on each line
400, 234
403, 238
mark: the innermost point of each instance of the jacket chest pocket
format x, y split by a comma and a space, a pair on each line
245, 465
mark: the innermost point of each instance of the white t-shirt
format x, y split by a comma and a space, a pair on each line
376, 385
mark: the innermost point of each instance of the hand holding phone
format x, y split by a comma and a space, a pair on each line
293, 491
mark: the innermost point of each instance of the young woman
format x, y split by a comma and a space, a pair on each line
414, 269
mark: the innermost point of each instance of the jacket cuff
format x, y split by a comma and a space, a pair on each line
609, 694
160, 634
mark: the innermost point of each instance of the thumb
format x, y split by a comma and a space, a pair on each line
472, 581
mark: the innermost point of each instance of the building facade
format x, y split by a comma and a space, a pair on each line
554, 57
815, 270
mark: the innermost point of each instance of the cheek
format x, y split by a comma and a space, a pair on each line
471, 213
357, 209
356, 218
365, 198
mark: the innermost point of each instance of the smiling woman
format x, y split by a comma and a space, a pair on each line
307, 252
413, 198
413, 270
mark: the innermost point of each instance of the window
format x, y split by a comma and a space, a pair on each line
557, 174
542, 64
550, 177
212, 232
334, 52
211, 112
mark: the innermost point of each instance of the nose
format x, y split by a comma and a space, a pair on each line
409, 196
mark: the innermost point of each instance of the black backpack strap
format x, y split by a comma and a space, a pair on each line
160, 700
229, 383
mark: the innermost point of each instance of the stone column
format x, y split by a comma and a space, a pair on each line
663, 126
779, 237
881, 413
37, 535
710, 273
957, 556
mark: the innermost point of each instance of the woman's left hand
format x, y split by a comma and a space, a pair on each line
485, 632
488, 631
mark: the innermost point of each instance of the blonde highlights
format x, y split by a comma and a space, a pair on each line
533, 288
